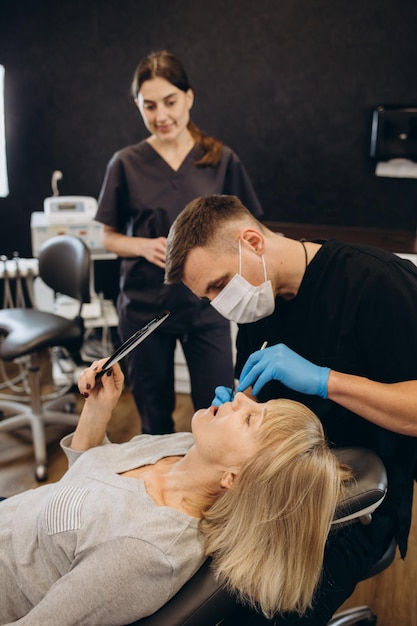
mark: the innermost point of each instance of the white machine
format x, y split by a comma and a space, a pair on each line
68, 215
74, 215
70, 209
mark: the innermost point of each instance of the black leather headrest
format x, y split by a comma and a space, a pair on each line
367, 487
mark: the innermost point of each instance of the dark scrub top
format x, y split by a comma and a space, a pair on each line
355, 312
141, 196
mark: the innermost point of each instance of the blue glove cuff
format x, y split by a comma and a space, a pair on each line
323, 380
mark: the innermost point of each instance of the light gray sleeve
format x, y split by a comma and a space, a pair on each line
114, 584
73, 455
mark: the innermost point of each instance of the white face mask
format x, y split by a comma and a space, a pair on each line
242, 302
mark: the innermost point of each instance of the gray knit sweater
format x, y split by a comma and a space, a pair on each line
94, 548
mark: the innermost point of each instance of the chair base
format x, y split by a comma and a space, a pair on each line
18, 415
358, 616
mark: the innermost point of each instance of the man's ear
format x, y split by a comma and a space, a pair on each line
228, 479
254, 238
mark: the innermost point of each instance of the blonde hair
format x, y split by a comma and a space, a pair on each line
267, 534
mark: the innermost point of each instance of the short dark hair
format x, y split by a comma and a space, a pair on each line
202, 221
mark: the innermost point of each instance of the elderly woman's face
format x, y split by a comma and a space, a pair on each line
228, 434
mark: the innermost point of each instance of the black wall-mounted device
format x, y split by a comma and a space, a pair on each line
394, 133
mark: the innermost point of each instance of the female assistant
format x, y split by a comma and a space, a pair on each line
145, 187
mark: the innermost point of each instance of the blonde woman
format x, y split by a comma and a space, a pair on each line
254, 485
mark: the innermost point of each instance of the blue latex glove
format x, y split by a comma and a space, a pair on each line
281, 363
222, 395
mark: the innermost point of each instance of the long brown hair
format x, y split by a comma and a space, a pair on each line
164, 64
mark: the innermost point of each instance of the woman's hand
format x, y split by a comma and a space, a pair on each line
101, 396
151, 249
154, 250
105, 391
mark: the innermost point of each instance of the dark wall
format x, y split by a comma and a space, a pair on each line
289, 84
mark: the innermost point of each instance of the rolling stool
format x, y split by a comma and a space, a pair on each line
64, 265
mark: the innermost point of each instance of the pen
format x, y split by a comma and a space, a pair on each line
232, 391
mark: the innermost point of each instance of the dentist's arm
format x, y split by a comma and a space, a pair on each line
289, 368
391, 406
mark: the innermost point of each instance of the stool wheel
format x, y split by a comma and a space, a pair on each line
41, 473
70, 407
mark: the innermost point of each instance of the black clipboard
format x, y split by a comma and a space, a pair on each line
133, 341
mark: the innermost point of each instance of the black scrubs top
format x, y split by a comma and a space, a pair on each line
141, 196
355, 312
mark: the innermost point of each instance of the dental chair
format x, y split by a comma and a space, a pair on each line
203, 602
25, 333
